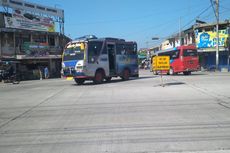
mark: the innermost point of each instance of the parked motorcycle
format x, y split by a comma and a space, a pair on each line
6, 78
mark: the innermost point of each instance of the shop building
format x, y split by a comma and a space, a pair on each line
203, 36
29, 39
206, 41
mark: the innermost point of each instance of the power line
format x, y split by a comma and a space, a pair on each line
151, 27
213, 8
128, 18
196, 17
206, 9
224, 7
223, 12
210, 15
156, 26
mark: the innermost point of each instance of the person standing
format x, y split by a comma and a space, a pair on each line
10, 70
46, 72
40, 72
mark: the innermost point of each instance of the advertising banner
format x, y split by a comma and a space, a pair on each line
23, 20
208, 39
35, 49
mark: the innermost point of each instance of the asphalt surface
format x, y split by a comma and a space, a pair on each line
190, 114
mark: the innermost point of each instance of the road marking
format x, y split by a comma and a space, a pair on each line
30, 109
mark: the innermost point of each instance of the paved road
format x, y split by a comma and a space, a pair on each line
190, 114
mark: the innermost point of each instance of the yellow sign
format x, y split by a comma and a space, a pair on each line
161, 63
69, 78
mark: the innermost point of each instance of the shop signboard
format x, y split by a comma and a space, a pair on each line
24, 20
36, 49
208, 39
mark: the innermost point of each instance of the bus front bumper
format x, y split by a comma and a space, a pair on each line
74, 74
81, 75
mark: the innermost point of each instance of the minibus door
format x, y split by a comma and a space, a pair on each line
112, 58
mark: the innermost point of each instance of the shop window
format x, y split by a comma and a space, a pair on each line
25, 38
8, 40
20, 39
39, 38
51, 41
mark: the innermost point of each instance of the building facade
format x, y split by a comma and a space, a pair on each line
203, 36
206, 42
28, 38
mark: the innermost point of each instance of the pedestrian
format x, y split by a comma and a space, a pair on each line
46, 72
10, 70
40, 72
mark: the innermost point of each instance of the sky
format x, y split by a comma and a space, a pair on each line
134, 20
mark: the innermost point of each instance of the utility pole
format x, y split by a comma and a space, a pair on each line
147, 50
217, 34
180, 32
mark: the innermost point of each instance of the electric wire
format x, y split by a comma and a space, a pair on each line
205, 10
191, 21
213, 8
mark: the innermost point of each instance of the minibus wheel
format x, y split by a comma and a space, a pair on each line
98, 77
79, 81
108, 79
125, 75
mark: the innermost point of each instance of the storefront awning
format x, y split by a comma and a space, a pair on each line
21, 57
200, 50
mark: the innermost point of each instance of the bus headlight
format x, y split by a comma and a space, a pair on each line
79, 68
